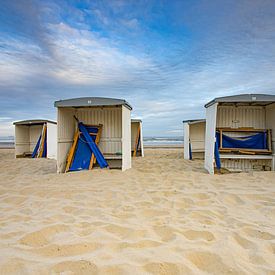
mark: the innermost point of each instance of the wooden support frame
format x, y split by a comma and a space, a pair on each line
246, 150
72, 151
97, 139
41, 146
75, 140
137, 142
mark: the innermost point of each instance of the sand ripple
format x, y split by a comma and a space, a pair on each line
164, 216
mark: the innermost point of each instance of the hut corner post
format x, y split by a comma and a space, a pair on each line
126, 138
186, 148
210, 137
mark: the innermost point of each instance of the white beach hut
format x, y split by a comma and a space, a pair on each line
237, 117
137, 138
27, 133
114, 115
194, 137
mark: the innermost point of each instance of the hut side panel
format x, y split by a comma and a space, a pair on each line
22, 139
51, 140
197, 136
270, 123
186, 140
210, 132
134, 130
241, 116
35, 132
256, 117
126, 138
141, 139
111, 119
65, 132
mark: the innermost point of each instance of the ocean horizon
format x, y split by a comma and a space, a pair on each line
8, 142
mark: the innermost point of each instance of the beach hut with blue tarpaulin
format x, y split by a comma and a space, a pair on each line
240, 133
194, 136
36, 138
108, 123
137, 138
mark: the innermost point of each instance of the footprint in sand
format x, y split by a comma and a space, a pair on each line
14, 266
258, 234
54, 250
137, 245
197, 235
209, 262
43, 236
166, 233
124, 232
243, 242
166, 268
75, 267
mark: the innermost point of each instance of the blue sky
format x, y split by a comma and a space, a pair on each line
166, 58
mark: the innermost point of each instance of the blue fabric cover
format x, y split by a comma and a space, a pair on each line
84, 148
34, 153
217, 156
190, 151
257, 141
44, 154
93, 147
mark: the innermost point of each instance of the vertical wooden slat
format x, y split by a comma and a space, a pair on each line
72, 151
136, 143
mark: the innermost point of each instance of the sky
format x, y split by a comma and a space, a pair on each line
166, 58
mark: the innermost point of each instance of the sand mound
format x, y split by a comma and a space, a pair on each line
165, 268
210, 262
42, 237
196, 235
164, 216
67, 250
75, 267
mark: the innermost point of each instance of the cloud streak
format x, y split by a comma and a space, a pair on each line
166, 59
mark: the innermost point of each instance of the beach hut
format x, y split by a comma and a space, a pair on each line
110, 118
137, 138
35, 138
194, 136
240, 133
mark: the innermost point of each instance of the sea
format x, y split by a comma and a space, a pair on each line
159, 141
7, 142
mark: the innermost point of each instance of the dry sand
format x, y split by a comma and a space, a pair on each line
164, 216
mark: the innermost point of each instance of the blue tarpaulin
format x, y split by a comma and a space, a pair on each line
34, 153
256, 141
217, 156
84, 149
44, 155
82, 155
190, 151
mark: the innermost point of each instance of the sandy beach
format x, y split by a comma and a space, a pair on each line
166, 215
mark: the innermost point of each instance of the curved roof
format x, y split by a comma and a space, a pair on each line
92, 102
262, 99
136, 120
193, 121
33, 122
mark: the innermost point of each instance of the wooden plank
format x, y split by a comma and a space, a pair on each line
221, 139
136, 143
247, 152
72, 151
269, 140
243, 129
257, 151
237, 156
97, 139
41, 147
